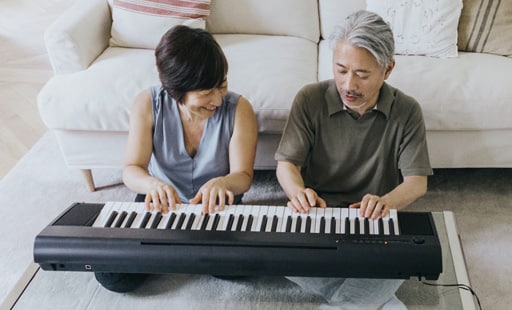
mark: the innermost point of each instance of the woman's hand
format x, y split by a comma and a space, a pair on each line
161, 198
212, 192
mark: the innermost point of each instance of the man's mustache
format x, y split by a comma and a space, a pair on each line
351, 93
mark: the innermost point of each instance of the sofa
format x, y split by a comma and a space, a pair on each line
273, 49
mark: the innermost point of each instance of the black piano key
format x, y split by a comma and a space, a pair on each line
356, 226
239, 223
298, 224
172, 218
322, 225
205, 221
130, 219
263, 223
216, 220
181, 219
366, 226
333, 225
347, 226
250, 219
381, 226
120, 219
110, 219
308, 224
231, 219
289, 221
273, 228
156, 220
145, 220
391, 227
191, 219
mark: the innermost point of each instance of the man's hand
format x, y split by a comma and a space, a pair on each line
373, 206
304, 200
211, 192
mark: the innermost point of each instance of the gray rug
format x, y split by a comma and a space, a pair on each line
41, 186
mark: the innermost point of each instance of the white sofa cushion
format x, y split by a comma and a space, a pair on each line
271, 17
76, 38
333, 12
100, 97
460, 89
421, 27
141, 23
269, 71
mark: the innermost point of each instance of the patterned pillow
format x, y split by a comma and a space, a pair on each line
141, 23
421, 27
486, 27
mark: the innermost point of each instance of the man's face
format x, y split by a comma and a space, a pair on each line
358, 76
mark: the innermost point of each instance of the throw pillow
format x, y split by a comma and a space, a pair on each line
421, 27
486, 27
141, 23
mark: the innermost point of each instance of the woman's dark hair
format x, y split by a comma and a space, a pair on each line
189, 59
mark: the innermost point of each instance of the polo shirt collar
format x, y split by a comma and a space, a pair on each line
335, 104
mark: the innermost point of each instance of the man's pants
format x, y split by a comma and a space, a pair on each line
351, 293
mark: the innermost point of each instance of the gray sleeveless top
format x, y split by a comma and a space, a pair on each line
170, 161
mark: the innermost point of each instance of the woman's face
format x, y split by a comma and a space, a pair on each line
202, 104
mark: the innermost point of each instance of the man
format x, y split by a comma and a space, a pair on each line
357, 142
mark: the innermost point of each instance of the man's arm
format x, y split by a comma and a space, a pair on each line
373, 206
301, 198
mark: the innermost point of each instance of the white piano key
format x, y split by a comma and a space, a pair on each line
295, 215
115, 208
352, 214
151, 219
197, 211
189, 210
315, 223
210, 222
104, 214
340, 222
140, 209
304, 219
361, 223
280, 217
328, 214
246, 211
376, 227
262, 211
228, 211
287, 212
237, 213
394, 215
385, 221
164, 220
223, 221
185, 222
270, 217
200, 218
371, 226
129, 208
176, 220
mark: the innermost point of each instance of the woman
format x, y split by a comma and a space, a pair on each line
190, 140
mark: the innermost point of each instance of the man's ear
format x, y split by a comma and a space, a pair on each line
389, 69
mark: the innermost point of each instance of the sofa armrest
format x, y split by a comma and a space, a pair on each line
78, 36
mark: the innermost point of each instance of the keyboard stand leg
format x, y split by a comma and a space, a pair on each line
89, 180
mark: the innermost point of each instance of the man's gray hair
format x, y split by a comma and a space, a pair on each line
369, 31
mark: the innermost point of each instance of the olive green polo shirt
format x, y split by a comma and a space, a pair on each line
344, 156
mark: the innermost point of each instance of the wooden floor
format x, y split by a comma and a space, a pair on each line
24, 68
